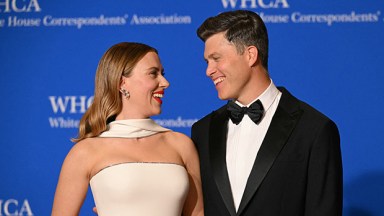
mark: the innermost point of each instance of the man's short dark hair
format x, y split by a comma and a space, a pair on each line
242, 28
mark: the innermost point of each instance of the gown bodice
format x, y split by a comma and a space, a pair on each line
140, 189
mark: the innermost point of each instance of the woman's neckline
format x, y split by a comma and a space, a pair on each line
132, 128
138, 163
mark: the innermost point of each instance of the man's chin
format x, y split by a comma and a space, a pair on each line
223, 97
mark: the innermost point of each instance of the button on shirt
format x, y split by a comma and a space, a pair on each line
244, 141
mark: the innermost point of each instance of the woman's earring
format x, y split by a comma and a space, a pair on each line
125, 93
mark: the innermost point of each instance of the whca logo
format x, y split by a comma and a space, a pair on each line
71, 104
13, 207
65, 109
19, 6
264, 4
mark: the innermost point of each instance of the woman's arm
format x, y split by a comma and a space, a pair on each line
73, 182
194, 203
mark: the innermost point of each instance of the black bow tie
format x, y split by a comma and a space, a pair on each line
236, 113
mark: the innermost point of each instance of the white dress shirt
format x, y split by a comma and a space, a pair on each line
244, 141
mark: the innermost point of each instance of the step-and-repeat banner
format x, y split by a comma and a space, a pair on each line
328, 53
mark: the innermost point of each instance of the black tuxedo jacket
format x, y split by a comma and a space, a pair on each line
297, 171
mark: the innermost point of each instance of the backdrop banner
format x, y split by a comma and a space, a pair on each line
327, 53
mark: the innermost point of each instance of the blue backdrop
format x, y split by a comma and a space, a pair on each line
327, 53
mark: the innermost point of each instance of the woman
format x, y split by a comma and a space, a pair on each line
134, 166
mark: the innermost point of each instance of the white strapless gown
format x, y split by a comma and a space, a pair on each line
140, 189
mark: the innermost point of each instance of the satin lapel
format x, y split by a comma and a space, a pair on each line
217, 152
283, 123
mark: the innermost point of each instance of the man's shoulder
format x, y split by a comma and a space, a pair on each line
292, 104
206, 119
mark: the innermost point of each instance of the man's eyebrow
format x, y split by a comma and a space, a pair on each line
210, 56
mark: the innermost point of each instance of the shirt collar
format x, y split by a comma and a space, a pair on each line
267, 97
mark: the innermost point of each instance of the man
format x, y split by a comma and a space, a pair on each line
284, 161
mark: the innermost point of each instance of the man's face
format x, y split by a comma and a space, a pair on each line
229, 70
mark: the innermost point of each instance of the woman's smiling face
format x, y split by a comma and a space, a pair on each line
146, 86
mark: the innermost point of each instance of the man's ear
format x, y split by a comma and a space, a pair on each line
252, 54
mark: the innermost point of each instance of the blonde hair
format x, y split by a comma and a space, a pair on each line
117, 61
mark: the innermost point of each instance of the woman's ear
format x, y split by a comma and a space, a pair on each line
122, 81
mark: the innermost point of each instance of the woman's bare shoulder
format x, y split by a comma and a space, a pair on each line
85, 148
177, 137
180, 141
